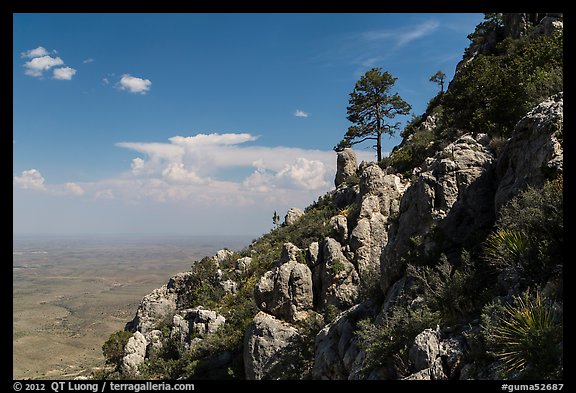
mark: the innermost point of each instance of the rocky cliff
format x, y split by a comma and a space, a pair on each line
385, 277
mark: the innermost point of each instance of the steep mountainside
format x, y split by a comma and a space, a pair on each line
443, 261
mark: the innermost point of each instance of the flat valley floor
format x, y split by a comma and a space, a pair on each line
70, 294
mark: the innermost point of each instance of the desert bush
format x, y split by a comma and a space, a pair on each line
387, 343
530, 233
526, 337
457, 292
113, 348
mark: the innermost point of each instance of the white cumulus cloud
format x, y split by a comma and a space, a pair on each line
30, 179
176, 172
64, 73
37, 52
38, 65
304, 174
300, 113
204, 160
134, 84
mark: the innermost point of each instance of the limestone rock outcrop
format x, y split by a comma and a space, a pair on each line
134, 353
293, 215
271, 346
338, 355
153, 309
534, 151
453, 195
286, 290
345, 165
339, 281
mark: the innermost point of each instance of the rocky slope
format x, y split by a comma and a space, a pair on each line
381, 261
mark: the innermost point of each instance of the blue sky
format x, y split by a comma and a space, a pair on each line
200, 124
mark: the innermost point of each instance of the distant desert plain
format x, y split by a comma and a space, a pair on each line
70, 294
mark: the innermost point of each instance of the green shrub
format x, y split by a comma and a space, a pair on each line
506, 247
387, 343
530, 233
456, 292
526, 337
492, 92
113, 348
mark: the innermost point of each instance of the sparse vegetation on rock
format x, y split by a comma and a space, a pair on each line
443, 261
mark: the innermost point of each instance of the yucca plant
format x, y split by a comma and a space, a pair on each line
505, 247
526, 337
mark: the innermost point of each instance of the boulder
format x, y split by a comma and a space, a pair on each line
221, 257
345, 165
271, 347
286, 290
293, 215
203, 321
534, 152
155, 342
339, 281
134, 353
180, 330
339, 225
345, 195
425, 350
369, 237
154, 309
337, 354
242, 264
229, 286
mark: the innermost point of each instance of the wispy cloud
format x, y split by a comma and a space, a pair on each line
88, 60
134, 84
403, 36
300, 113
73, 189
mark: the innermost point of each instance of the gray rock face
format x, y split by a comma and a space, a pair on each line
369, 237
221, 256
153, 309
337, 353
533, 152
339, 281
339, 225
434, 372
345, 195
293, 215
286, 290
204, 321
425, 350
436, 358
270, 348
154, 340
229, 286
345, 165
454, 193
135, 352
380, 196
180, 330
242, 264
198, 322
